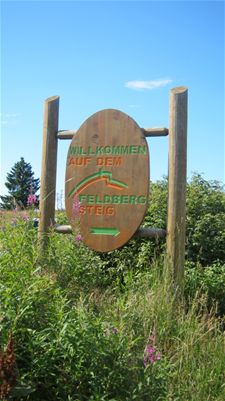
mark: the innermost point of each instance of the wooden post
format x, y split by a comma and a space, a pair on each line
177, 184
48, 168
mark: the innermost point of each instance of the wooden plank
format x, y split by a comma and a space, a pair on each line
142, 232
155, 132
177, 183
148, 232
48, 168
63, 229
148, 132
66, 134
108, 173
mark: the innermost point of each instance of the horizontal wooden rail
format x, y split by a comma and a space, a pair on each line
142, 232
150, 232
148, 132
66, 134
63, 229
152, 132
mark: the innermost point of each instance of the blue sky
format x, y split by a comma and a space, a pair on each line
92, 53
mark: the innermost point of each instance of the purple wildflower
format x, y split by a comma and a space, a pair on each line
114, 330
145, 361
149, 350
152, 358
78, 238
76, 206
31, 200
150, 354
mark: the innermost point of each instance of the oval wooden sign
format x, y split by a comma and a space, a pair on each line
107, 180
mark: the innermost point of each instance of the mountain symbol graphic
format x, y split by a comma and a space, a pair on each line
101, 175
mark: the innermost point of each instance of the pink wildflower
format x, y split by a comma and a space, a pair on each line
150, 354
76, 206
31, 200
152, 358
145, 361
78, 237
149, 350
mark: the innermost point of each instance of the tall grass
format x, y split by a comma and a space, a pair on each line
81, 329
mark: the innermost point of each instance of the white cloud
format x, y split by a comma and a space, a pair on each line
149, 85
12, 115
133, 106
10, 118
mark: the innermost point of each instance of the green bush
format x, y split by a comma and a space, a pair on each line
68, 346
205, 221
205, 229
209, 280
92, 347
82, 322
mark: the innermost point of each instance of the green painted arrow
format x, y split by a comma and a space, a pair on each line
104, 231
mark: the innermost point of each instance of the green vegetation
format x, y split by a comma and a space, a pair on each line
20, 184
85, 326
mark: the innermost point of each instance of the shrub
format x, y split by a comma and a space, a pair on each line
86, 326
205, 221
209, 280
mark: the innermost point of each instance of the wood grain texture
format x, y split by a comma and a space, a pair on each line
108, 172
155, 132
177, 182
48, 167
142, 232
63, 229
148, 132
150, 232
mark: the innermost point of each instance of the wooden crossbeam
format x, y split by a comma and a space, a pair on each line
148, 132
142, 232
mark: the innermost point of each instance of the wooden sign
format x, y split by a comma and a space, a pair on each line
107, 180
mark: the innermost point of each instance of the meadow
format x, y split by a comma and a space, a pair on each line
78, 325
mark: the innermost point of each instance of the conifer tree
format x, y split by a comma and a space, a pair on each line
20, 184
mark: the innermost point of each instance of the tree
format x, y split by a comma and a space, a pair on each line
20, 184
